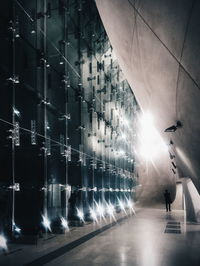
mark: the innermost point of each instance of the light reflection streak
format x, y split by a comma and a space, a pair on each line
80, 214
185, 160
130, 205
64, 224
93, 215
122, 207
3, 243
16, 228
46, 223
100, 210
110, 210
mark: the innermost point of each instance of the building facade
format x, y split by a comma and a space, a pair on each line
67, 116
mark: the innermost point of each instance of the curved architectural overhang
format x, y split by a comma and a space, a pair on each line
157, 43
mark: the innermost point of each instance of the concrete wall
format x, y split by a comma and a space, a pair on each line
192, 200
158, 45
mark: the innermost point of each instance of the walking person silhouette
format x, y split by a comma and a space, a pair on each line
168, 200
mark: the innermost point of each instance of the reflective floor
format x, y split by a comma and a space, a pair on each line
151, 238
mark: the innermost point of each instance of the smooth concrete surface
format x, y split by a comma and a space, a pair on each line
192, 200
178, 202
141, 241
157, 43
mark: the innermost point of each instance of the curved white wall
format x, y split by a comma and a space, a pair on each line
157, 43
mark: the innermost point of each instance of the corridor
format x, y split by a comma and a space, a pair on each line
99, 129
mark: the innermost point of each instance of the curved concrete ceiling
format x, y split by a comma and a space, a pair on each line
157, 43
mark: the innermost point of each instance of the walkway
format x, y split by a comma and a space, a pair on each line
152, 238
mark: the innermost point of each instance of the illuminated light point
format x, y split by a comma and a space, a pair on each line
130, 206
16, 80
46, 223
93, 215
151, 143
64, 224
110, 210
122, 206
100, 210
68, 188
80, 215
3, 242
16, 111
17, 229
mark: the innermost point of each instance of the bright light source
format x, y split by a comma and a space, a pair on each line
3, 242
151, 143
100, 210
80, 214
111, 210
16, 79
93, 215
130, 205
121, 205
64, 224
46, 222
126, 122
17, 229
68, 188
17, 112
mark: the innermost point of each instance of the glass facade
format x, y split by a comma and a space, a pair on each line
67, 116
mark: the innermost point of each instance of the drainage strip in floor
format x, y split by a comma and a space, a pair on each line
173, 228
62, 250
